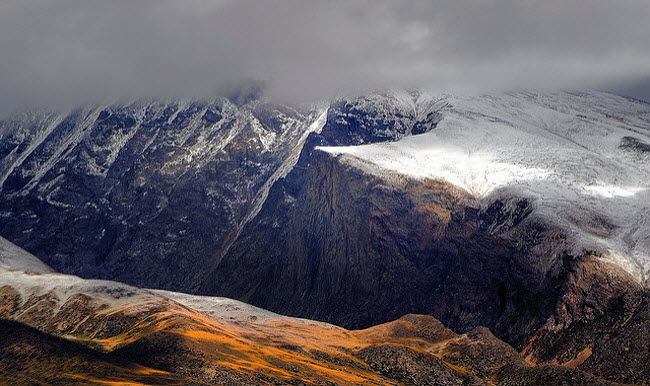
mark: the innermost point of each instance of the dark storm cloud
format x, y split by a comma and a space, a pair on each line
68, 51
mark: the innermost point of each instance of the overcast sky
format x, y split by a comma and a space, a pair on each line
69, 51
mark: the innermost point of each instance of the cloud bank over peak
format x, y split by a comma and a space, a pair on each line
74, 51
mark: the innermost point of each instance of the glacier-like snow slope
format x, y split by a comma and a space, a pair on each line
583, 158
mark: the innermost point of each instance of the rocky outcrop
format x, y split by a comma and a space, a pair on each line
634, 145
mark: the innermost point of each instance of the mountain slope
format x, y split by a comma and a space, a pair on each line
117, 333
30, 357
119, 190
525, 213
14, 257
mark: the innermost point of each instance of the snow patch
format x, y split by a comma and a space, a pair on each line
610, 191
15, 258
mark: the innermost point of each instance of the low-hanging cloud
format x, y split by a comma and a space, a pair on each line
73, 51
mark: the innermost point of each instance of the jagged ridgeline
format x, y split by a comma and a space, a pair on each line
143, 192
148, 192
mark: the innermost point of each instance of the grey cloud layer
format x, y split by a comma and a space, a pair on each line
69, 51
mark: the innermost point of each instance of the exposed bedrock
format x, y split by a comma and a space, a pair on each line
338, 244
358, 249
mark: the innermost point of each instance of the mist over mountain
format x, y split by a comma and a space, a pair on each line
71, 52
343, 192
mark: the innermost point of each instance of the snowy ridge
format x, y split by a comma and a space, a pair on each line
563, 150
29, 276
230, 309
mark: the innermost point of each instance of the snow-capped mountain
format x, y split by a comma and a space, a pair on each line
527, 213
582, 159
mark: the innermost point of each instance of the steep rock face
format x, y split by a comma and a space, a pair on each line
358, 250
352, 249
144, 192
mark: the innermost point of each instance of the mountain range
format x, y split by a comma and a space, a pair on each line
455, 239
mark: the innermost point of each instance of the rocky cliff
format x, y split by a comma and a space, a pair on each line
142, 192
352, 236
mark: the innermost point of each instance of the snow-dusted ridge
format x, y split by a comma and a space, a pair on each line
230, 309
563, 150
109, 296
32, 278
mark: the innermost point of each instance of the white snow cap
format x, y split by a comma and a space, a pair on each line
561, 149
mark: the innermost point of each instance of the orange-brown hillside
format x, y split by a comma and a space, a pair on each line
99, 332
